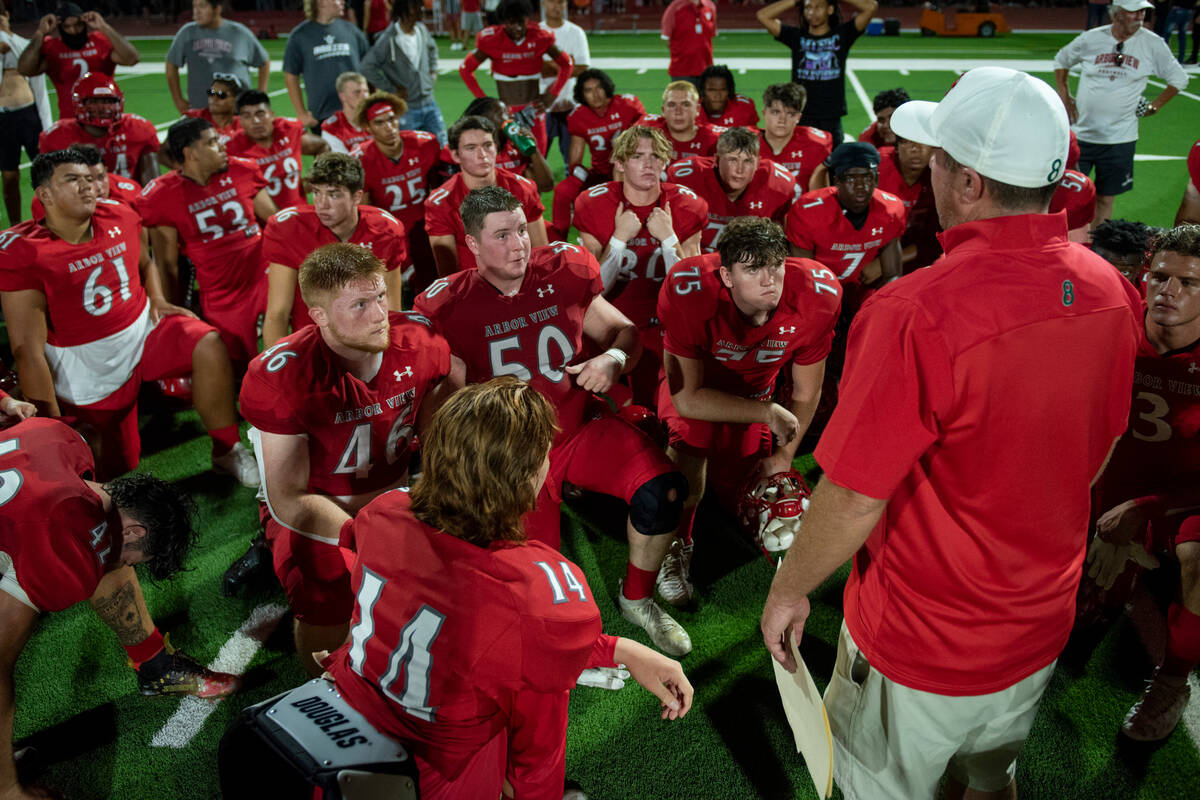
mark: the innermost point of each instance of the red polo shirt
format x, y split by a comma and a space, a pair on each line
981, 397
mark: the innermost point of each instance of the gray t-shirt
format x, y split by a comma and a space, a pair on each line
320, 53
203, 51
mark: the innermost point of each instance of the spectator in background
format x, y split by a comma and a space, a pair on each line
1125, 244
1179, 19
339, 131
320, 49
26, 112
221, 111
819, 48
879, 132
472, 23
721, 103
689, 27
570, 39
1097, 14
85, 43
208, 45
375, 16
1116, 61
404, 61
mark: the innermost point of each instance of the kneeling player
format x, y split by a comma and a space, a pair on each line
65, 538
336, 405
1149, 490
732, 321
467, 634
534, 310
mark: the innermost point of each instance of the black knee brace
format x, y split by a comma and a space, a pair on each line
653, 511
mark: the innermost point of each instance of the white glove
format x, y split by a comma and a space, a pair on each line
604, 677
1107, 561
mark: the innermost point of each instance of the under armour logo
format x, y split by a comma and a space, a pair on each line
876, 231
401, 375
1193, 368
114, 232
226, 181
413, 160
756, 204
787, 330
548, 290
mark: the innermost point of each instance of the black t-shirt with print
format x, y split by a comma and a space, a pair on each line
819, 65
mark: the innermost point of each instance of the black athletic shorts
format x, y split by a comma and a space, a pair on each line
1113, 163
18, 128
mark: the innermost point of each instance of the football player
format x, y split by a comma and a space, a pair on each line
797, 147
336, 406
221, 110
732, 320
1076, 195
638, 228
66, 538
1189, 205
502, 624
208, 210
1125, 244
399, 168
1148, 491
88, 321
108, 186
276, 144
336, 215
721, 103
598, 117
851, 227
75, 52
473, 147
518, 153
534, 309
339, 131
679, 123
128, 142
517, 48
735, 184
879, 133
904, 173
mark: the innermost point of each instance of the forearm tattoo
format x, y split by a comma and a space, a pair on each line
121, 613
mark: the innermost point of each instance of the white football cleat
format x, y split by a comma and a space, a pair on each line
672, 581
667, 634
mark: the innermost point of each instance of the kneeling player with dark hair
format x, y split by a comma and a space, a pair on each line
64, 538
467, 636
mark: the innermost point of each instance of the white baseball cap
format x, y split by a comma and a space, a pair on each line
1132, 5
1004, 124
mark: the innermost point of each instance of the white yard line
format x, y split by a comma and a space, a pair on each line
234, 657
861, 93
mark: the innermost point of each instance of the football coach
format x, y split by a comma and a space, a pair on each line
981, 400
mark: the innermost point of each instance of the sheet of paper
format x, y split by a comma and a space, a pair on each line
810, 724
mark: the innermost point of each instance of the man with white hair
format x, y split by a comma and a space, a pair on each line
960, 601
1115, 63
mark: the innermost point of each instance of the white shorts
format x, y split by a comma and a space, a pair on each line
891, 741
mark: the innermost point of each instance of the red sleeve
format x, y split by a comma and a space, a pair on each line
395, 244
145, 134
253, 180
439, 214
603, 652
69, 569
692, 221
797, 226
668, 18
18, 268
683, 328
277, 240
897, 383
154, 208
575, 124
1193, 164
534, 209
822, 307
266, 406
537, 744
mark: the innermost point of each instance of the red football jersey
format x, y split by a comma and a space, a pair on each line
54, 527
280, 163
871, 135
700, 321
122, 190
441, 209
689, 28
223, 133
1076, 194
400, 186
1161, 447
92, 289
599, 129
768, 194
704, 143
216, 225
740, 112
595, 211
122, 145
66, 65
891, 180
452, 643
807, 148
344, 131
533, 334
515, 60
1193, 164
359, 432
293, 233
818, 224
